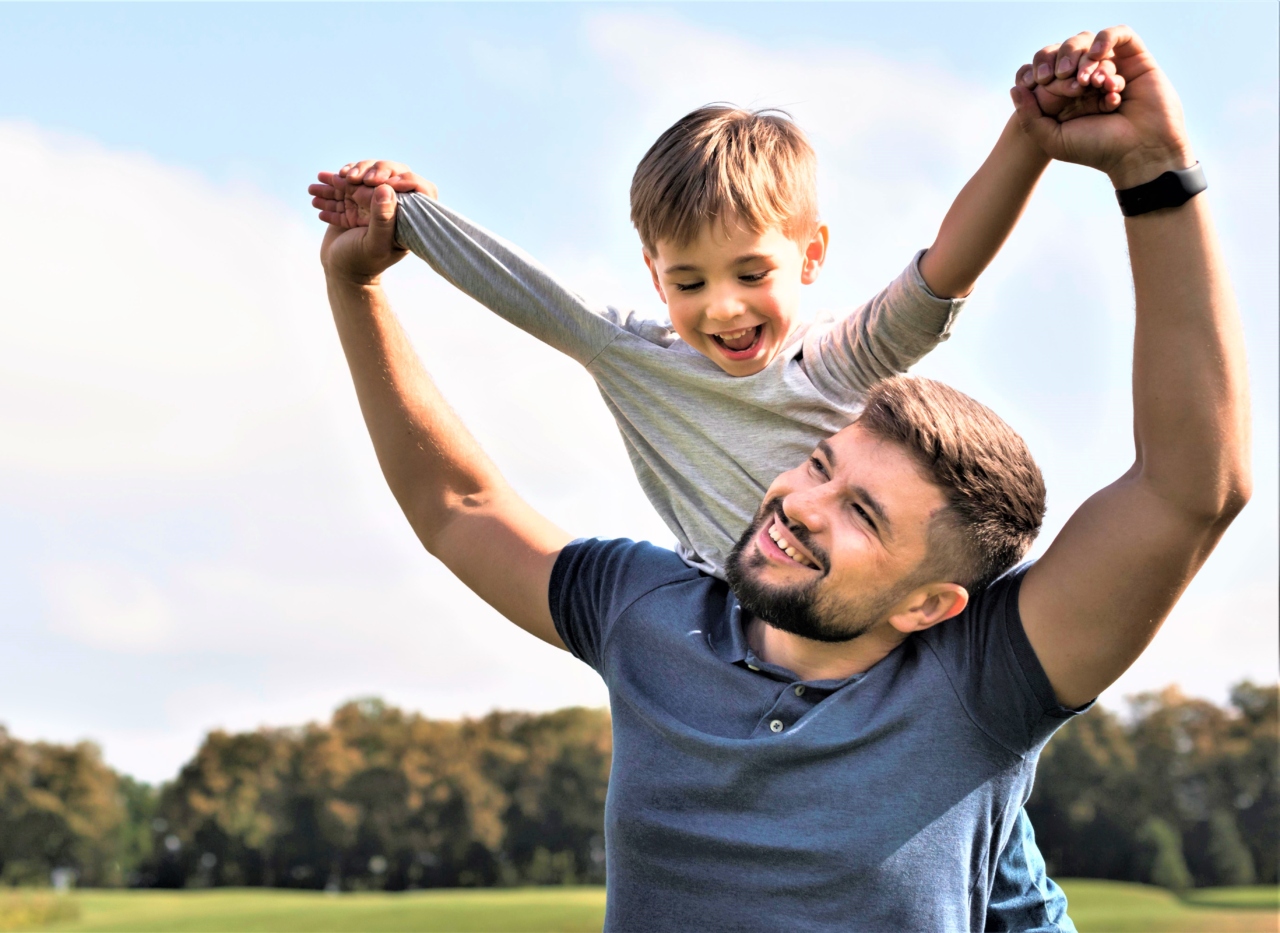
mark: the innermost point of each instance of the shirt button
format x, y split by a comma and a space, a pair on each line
752, 667
799, 690
775, 726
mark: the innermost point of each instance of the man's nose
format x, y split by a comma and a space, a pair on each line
806, 507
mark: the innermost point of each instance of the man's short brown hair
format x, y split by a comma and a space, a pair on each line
721, 163
993, 486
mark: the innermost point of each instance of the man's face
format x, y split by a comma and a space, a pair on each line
734, 295
840, 542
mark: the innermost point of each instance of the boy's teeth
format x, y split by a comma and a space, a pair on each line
738, 339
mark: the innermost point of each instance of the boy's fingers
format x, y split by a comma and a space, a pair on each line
1026, 76
384, 170
411, 181
323, 191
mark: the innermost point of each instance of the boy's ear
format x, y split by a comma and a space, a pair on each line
815, 254
929, 605
653, 271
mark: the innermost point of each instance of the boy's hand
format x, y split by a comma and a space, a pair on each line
1069, 81
343, 197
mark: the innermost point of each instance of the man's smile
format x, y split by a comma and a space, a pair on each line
784, 546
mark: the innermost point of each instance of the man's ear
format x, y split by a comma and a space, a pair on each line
815, 254
929, 605
653, 271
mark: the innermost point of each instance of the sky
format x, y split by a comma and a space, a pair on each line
194, 533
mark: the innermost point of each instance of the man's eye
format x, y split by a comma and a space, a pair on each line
692, 286
863, 512
816, 465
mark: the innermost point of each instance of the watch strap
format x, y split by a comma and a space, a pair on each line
1172, 189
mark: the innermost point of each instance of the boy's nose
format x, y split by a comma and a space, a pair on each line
724, 308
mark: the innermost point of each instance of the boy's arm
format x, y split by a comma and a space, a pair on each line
455, 499
983, 214
487, 268
988, 207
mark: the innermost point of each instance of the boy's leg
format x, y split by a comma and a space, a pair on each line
1023, 897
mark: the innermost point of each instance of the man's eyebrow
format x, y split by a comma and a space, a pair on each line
876, 508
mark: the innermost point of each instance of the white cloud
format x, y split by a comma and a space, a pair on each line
112, 608
177, 421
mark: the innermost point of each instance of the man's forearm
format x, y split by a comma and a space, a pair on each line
428, 457
984, 214
1191, 411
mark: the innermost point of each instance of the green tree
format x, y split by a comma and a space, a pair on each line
1162, 861
60, 807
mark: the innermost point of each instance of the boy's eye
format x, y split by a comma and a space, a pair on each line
753, 277
691, 286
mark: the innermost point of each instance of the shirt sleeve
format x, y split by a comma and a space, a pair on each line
594, 581
503, 278
995, 671
885, 337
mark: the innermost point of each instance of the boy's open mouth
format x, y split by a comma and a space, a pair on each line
739, 344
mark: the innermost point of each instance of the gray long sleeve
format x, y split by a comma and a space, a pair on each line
704, 444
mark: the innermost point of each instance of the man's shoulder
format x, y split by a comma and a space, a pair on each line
619, 564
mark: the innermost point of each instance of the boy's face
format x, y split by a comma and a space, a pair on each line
734, 295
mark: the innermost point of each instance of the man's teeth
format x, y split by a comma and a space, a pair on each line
787, 548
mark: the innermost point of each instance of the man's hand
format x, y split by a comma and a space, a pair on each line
1145, 136
1068, 83
360, 254
342, 197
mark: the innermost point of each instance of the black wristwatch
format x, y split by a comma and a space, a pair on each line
1172, 189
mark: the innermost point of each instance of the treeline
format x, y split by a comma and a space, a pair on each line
376, 799
1180, 792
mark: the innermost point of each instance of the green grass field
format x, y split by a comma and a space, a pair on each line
1096, 906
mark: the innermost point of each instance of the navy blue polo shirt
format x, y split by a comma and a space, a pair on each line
743, 798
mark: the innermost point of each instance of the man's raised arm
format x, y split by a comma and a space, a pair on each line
1094, 601
459, 505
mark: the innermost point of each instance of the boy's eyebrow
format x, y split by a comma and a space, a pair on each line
690, 267
860, 491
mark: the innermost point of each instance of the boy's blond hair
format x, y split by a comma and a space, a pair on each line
721, 163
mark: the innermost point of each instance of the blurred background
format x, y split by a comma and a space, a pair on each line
194, 535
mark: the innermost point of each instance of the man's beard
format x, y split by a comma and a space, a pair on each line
802, 609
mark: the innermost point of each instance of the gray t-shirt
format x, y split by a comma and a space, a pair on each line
743, 798
704, 445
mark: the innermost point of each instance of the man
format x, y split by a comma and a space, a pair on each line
844, 739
